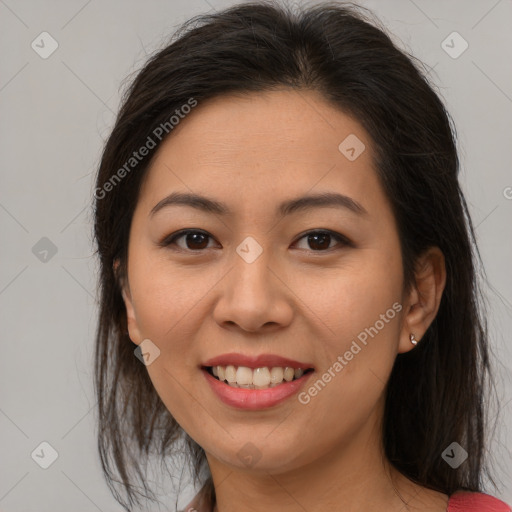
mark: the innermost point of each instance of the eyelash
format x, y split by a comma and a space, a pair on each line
171, 239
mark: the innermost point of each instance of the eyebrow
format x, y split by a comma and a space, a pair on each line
304, 203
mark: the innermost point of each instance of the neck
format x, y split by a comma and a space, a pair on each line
353, 476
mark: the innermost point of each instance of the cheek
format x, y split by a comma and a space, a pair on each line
354, 297
166, 302
362, 309
165, 296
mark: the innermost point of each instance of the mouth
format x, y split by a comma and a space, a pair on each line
255, 378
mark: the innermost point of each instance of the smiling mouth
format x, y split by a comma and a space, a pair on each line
257, 378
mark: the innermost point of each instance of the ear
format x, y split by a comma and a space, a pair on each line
131, 319
424, 298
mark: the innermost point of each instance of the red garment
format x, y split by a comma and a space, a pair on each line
460, 501
475, 502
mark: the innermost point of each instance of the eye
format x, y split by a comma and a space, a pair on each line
197, 240
194, 240
320, 240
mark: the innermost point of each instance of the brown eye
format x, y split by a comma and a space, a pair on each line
194, 240
320, 241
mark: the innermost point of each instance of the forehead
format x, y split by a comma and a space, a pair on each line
272, 124
264, 146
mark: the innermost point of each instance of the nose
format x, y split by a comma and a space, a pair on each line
254, 296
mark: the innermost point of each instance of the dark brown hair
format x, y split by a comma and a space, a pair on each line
437, 392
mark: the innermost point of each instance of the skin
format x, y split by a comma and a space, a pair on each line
299, 300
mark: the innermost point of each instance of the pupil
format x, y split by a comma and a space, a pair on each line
323, 237
193, 237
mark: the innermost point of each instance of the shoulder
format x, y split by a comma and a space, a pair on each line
196, 505
193, 506
461, 501
190, 508
465, 501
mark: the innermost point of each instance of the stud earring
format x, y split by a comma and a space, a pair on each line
414, 341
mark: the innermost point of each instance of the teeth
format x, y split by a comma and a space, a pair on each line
276, 375
230, 373
259, 378
288, 374
243, 375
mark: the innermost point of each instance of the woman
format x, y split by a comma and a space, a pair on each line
288, 283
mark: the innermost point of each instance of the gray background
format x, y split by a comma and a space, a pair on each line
55, 115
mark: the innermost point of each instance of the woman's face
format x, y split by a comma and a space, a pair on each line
252, 283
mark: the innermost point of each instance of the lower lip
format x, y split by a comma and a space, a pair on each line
254, 399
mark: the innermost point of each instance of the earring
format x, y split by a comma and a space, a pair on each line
414, 341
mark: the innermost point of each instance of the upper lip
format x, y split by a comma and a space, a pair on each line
259, 361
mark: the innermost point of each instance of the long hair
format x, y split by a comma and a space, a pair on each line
436, 393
